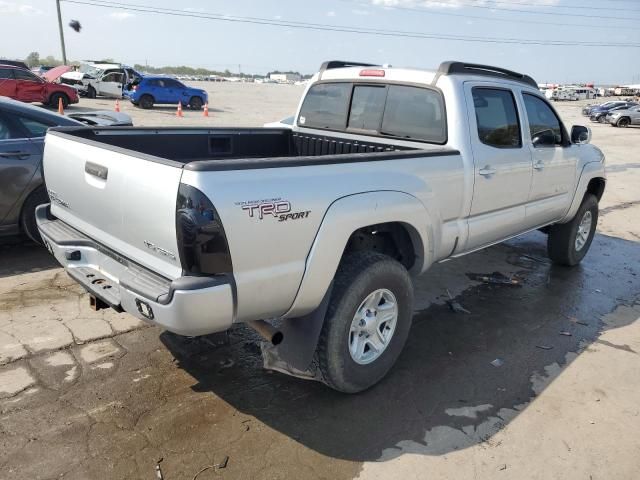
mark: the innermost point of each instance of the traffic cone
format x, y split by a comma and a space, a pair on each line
179, 111
60, 107
117, 105
205, 113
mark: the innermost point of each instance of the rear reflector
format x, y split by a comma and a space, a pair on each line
372, 73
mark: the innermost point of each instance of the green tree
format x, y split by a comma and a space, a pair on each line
33, 59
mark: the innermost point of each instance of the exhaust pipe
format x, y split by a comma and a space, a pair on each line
267, 331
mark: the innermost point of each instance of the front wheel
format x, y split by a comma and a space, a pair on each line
91, 92
569, 242
367, 322
195, 103
54, 100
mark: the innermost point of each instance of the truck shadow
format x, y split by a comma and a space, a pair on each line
20, 255
444, 393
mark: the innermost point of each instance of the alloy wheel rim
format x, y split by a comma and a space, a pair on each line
373, 326
584, 229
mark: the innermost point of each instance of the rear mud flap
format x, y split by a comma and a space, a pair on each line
295, 356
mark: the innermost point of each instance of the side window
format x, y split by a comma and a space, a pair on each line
24, 75
34, 127
497, 117
414, 113
6, 73
325, 106
367, 105
542, 121
6, 132
116, 77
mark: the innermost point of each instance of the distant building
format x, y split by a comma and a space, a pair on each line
284, 77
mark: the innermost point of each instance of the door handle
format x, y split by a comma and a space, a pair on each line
538, 165
15, 154
487, 171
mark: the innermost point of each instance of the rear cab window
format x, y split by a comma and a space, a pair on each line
405, 112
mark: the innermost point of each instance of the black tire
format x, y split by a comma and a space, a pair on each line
28, 216
54, 99
146, 102
602, 119
195, 103
358, 276
561, 243
623, 122
91, 92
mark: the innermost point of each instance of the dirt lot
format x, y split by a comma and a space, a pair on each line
101, 396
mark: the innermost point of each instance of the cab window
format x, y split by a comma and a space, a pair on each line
325, 106
544, 125
497, 117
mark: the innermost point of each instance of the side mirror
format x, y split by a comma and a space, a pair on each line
580, 134
544, 138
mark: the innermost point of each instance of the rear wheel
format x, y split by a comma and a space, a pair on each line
568, 243
602, 119
146, 102
54, 100
367, 322
195, 103
623, 122
28, 216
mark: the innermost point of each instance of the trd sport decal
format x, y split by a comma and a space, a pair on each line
272, 207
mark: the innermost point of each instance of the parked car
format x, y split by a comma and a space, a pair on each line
151, 90
385, 172
624, 117
101, 79
22, 130
24, 85
600, 115
588, 109
595, 111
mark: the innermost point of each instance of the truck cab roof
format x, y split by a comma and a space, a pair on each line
340, 70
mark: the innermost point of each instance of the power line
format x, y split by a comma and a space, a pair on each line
536, 5
490, 19
485, 6
340, 28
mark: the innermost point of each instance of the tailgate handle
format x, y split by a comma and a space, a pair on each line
96, 170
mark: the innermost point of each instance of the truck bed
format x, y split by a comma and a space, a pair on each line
240, 148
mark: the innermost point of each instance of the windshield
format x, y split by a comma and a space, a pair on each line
89, 69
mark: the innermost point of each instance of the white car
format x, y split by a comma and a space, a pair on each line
100, 79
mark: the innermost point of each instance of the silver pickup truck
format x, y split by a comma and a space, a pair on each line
318, 228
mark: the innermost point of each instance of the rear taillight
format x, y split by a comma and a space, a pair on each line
202, 243
135, 88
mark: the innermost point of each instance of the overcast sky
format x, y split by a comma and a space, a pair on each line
139, 37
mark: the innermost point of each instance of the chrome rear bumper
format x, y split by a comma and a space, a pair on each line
187, 305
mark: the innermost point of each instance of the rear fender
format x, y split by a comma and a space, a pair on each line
344, 217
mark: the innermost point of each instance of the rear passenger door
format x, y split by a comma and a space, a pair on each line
554, 162
502, 164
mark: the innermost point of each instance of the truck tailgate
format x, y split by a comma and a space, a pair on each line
126, 203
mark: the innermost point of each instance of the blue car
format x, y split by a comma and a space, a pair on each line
151, 90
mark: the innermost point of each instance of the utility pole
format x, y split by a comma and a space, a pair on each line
64, 51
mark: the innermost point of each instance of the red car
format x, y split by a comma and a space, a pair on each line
21, 84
